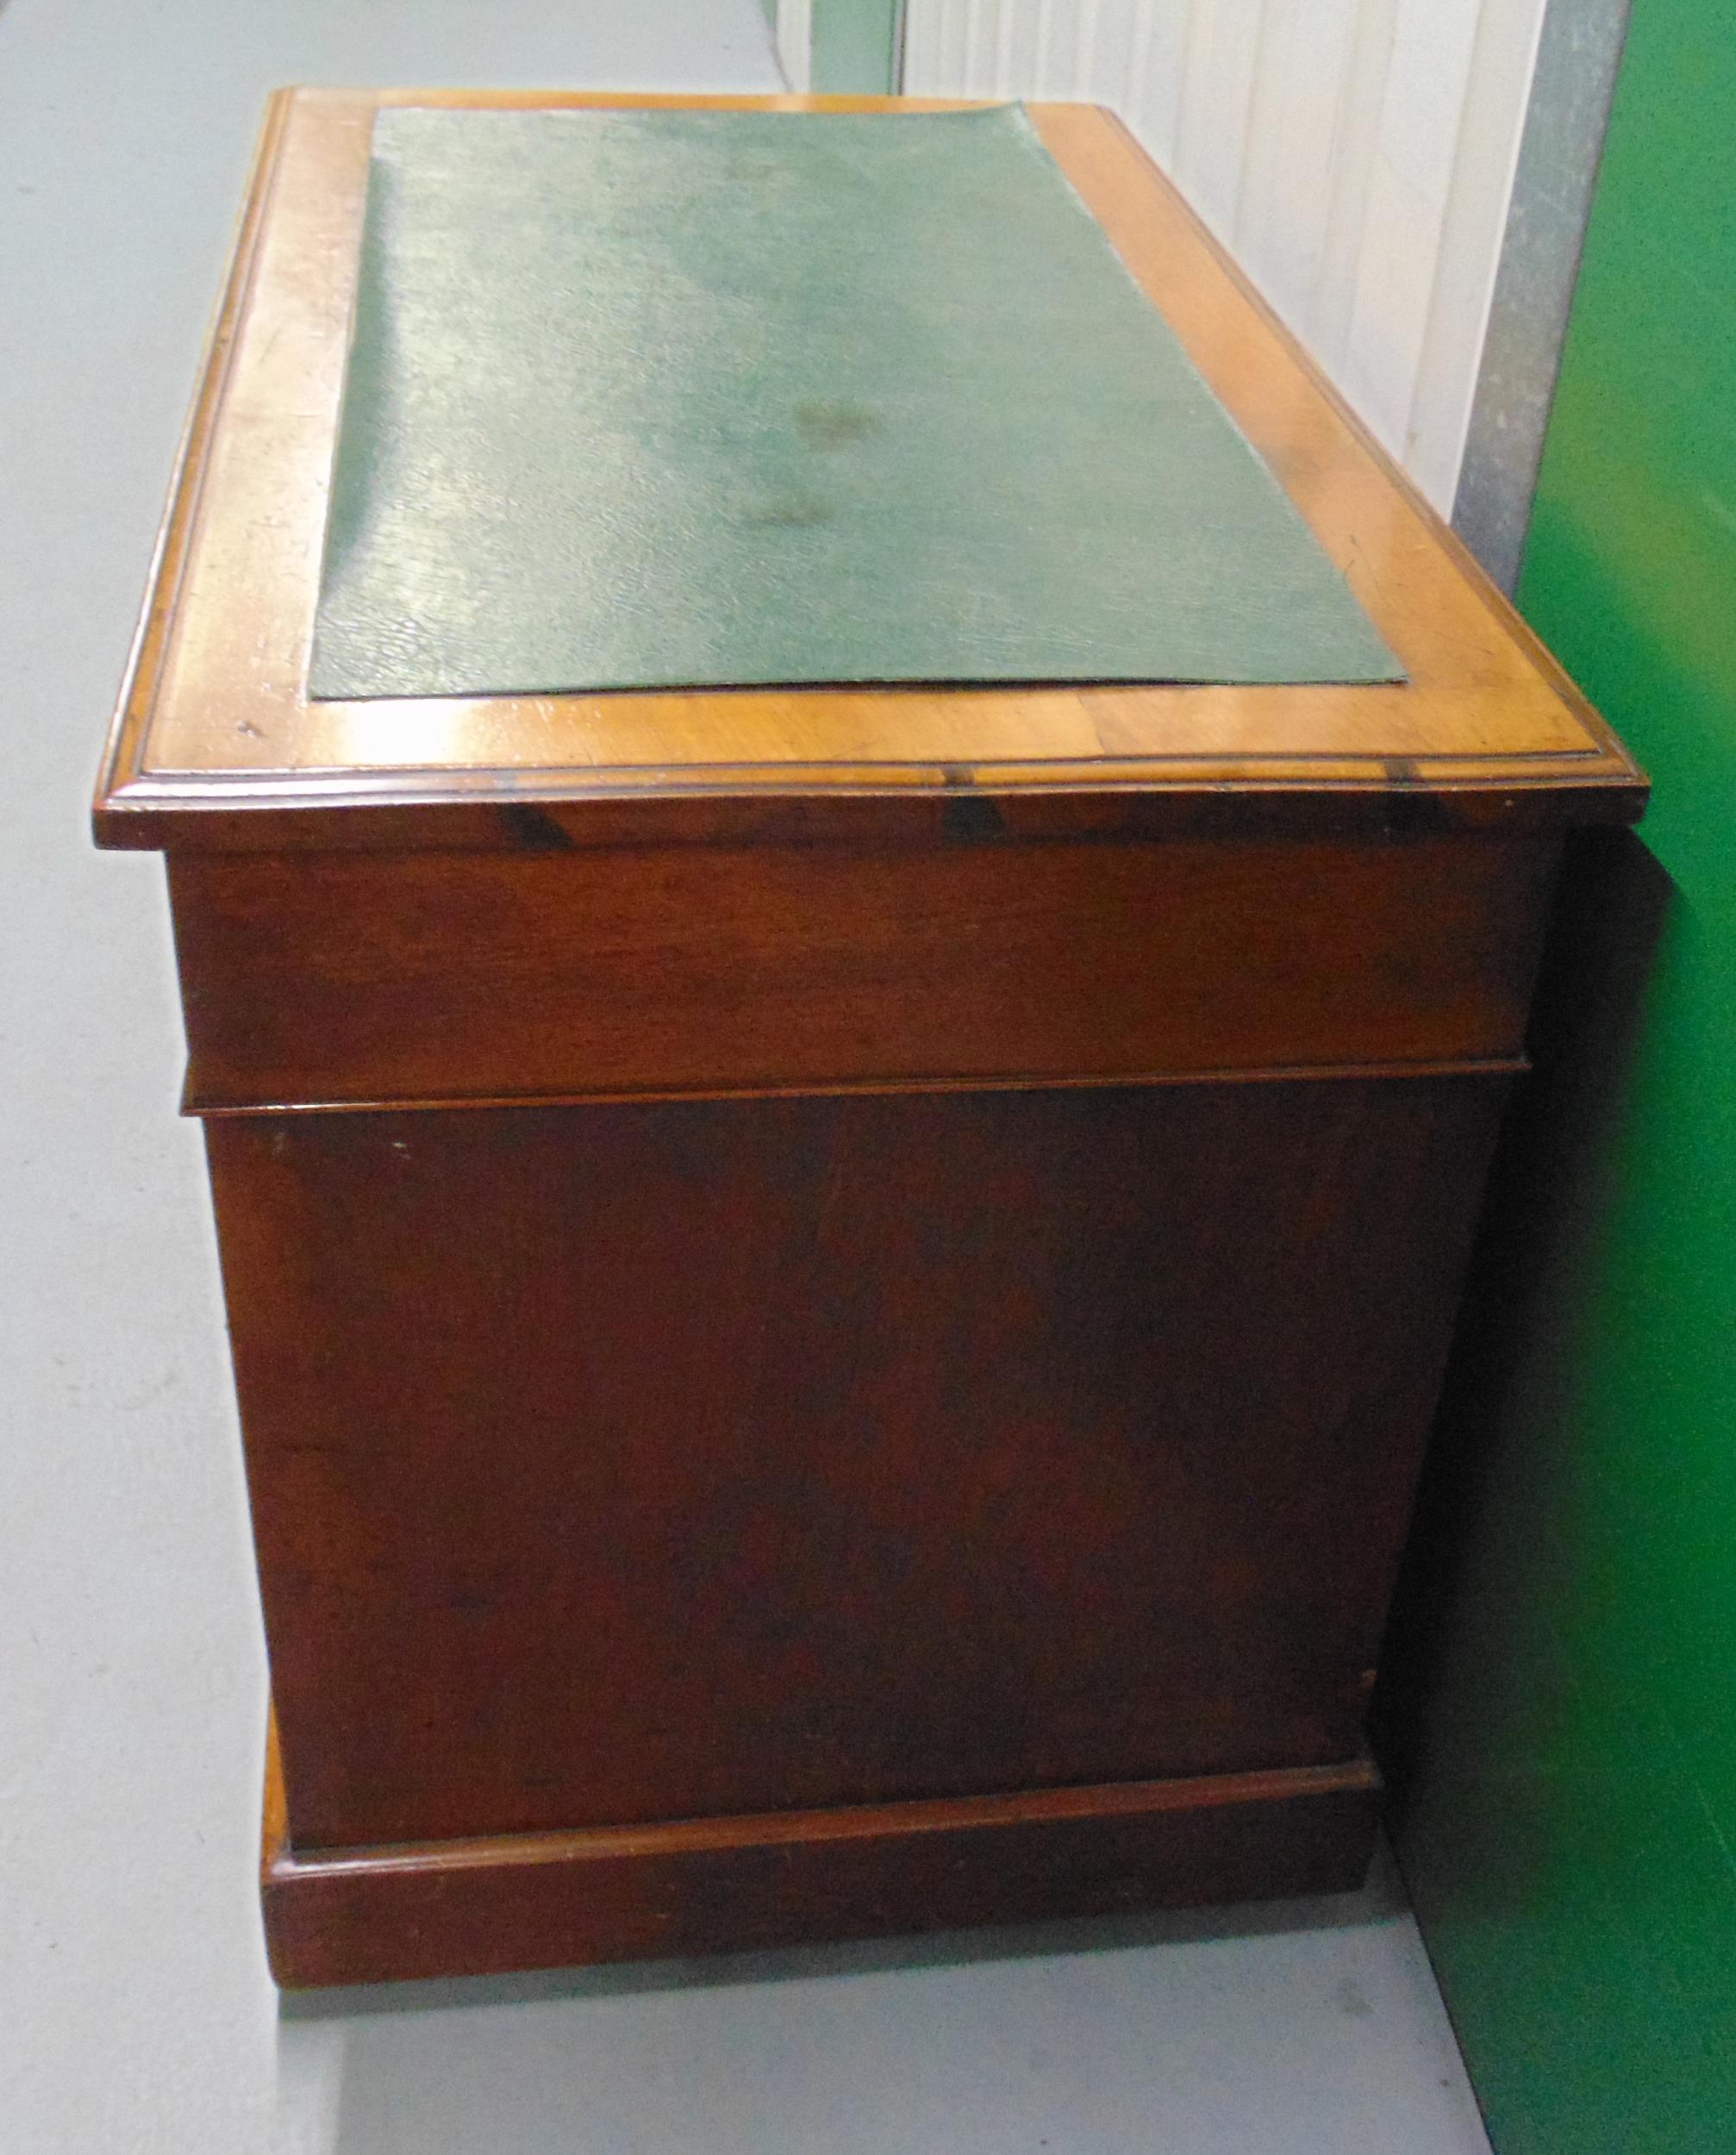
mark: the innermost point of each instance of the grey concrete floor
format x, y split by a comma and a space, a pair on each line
135, 2011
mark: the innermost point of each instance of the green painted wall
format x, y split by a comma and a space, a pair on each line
1570, 1620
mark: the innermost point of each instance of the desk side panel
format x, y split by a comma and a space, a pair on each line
619, 1463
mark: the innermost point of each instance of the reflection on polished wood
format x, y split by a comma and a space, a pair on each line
215, 717
836, 1297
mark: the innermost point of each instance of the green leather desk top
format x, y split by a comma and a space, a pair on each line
642, 399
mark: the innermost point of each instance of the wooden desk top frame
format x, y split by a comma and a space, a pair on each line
216, 745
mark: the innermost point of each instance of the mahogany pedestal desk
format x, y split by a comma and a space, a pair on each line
836, 1294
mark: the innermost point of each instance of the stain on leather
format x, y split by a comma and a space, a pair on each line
793, 515
836, 426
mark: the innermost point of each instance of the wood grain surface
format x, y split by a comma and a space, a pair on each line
618, 1463
358, 977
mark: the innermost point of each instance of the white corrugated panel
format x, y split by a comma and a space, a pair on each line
1357, 155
